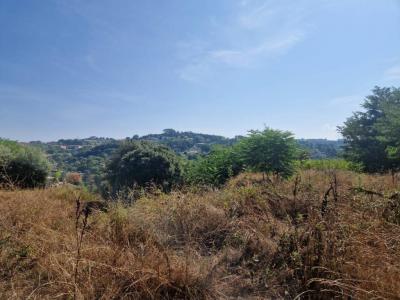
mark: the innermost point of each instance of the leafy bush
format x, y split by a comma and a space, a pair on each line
22, 166
214, 169
140, 163
329, 164
268, 151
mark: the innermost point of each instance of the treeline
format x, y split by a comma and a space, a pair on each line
187, 143
322, 148
138, 164
134, 163
88, 157
371, 144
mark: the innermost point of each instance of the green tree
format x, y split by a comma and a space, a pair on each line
139, 163
22, 166
389, 128
372, 136
269, 151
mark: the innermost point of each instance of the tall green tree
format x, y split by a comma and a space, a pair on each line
139, 163
372, 136
269, 151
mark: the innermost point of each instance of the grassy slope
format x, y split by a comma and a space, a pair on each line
251, 239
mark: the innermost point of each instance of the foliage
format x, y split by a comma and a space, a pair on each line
89, 156
139, 163
269, 151
388, 127
372, 136
22, 166
329, 164
214, 169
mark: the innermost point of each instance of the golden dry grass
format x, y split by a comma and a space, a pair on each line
251, 239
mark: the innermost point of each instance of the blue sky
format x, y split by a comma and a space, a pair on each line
77, 68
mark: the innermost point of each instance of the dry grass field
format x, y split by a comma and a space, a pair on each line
319, 235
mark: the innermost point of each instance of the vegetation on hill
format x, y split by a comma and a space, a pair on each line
86, 156
90, 156
321, 148
188, 143
370, 144
319, 235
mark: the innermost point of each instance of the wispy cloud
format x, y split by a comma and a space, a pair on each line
256, 16
256, 32
244, 57
196, 69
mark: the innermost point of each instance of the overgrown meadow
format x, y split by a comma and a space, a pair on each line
319, 235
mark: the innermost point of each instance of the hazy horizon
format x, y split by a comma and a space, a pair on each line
74, 69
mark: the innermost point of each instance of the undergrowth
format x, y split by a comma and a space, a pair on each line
320, 235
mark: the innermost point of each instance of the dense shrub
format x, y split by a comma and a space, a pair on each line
140, 163
22, 166
73, 178
329, 164
269, 151
214, 169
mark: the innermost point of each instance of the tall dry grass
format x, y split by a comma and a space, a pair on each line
312, 237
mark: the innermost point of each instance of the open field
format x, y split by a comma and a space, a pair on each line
318, 235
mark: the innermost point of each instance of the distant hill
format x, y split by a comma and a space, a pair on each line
188, 143
88, 156
322, 148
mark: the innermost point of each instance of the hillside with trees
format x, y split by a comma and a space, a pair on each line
322, 148
89, 156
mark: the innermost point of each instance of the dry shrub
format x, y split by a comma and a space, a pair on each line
74, 178
319, 235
